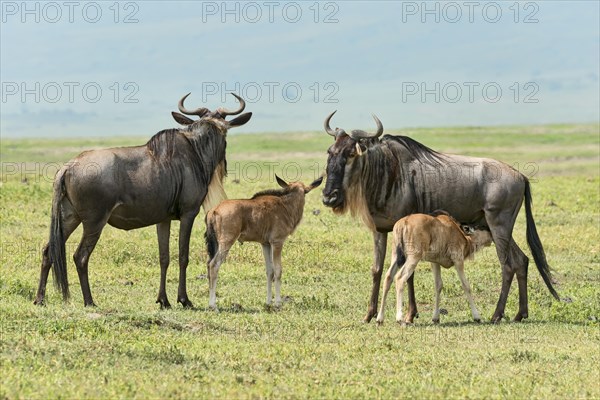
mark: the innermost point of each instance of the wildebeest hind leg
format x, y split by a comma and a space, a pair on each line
163, 231
521, 262
501, 225
91, 235
69, 224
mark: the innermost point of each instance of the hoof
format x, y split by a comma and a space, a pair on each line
214, 309
39, 302
186, 303
379, 322
435, 320
519, 317
496, 319
368, 318
92, 304
164, 304
478, 320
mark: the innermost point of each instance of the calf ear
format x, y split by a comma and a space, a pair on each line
239, 121
315, 183
181, 119
281, 182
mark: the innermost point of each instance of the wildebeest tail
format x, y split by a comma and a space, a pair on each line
56, 244
535, 244
210, 237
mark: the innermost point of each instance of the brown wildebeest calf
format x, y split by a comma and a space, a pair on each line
268, 218
438, 239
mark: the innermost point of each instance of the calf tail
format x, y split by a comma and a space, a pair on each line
400, 256
535, 244
56, 244
210, 237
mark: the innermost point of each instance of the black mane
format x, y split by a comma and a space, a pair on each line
421, 152
161, 145
272, 192
200, 146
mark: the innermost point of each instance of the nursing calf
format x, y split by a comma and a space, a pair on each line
438, 239
268, 218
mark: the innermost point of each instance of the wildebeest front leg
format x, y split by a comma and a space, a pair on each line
185, 231
379, 248
268, 255
163, 231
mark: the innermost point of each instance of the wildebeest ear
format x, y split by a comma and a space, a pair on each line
240, 120
181, 119
281, 182
315, 183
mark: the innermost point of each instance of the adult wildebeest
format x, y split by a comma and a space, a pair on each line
439, 239
166, 179
383, 180
268, 218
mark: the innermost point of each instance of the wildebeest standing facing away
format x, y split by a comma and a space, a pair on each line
384, 180
268, 218
168, 178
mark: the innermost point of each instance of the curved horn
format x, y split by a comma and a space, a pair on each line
326, 125
198, 111
358, 134
224, 112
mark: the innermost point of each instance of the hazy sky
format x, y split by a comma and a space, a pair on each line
107, 68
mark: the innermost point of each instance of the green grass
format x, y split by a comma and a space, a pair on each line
316, 345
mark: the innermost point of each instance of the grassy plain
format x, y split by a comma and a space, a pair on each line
316, 345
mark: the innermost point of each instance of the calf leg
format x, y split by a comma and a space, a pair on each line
379, 245
400, 280
163, 231
213, 273
185, 231
465, 284
268, 255
387, 283
437, 278
412, 301
277, 248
